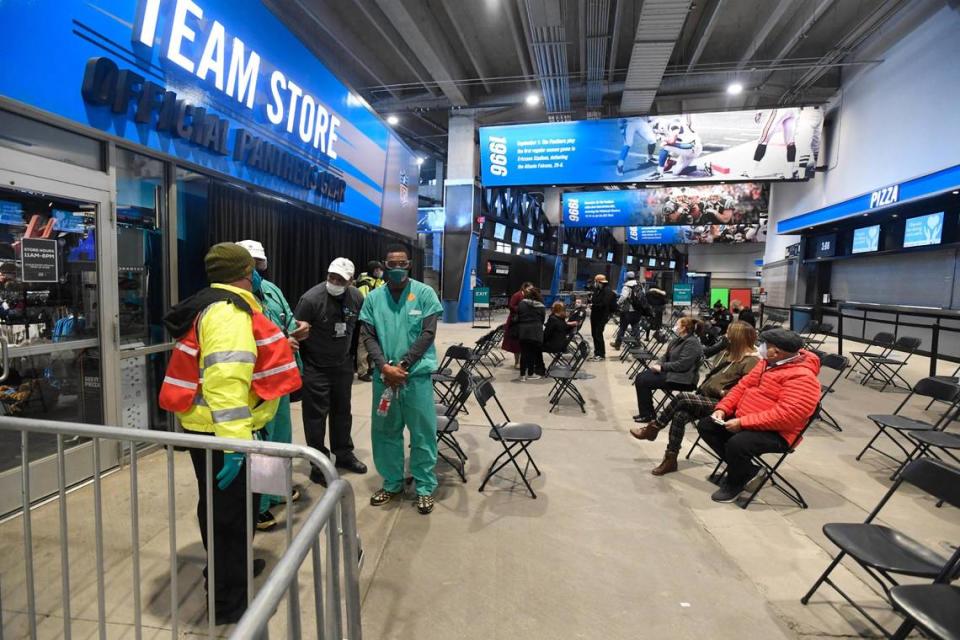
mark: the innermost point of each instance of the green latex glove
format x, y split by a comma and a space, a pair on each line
232, 463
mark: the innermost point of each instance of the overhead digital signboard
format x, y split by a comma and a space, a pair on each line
769, 144
699, 234
741, 203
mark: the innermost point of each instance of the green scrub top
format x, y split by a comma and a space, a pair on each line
278, 311
398, 324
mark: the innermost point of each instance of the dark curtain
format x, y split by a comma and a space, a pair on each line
300, 243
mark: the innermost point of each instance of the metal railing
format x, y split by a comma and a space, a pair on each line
336, 589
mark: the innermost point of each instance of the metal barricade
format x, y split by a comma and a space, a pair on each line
336, 587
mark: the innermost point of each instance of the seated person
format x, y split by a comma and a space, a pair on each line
679, 370
557, 333
721, 317
744, 314
765, 412
740, 357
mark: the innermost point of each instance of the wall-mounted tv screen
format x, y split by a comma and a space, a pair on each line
866, 239
826, 246
517, 236
673, 264
923, 231
610, 256
565, 249
499, 231
651, 262
589, 253
629, 259
529, 240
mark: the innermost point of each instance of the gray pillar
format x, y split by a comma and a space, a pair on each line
461, 203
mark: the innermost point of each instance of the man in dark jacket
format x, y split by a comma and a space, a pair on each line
744, 314
657, 300
765, 412
602, 306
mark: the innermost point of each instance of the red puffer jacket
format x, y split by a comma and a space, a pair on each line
778, 399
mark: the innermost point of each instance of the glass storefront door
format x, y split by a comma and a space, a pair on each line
52, 324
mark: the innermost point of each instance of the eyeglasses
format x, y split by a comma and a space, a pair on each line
398, 264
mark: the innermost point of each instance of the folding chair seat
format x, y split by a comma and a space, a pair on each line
887, 368
885, 553
897, 424
821, 331
932, 444
770, 473
514, 437
838, 363
935, 608
883, 341
564, 380
447, 424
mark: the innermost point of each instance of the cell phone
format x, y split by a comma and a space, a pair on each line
718, 420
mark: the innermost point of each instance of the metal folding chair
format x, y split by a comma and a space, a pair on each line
770, 473
839, 364
564, 380
887, 369
935, 608
884, 552
898, 424
816, 334
444, 376
514, 437
883, 341
447, 424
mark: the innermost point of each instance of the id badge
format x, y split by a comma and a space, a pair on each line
340, 330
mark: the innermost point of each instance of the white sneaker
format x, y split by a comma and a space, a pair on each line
535, 377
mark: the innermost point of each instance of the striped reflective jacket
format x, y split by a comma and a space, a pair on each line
228, 372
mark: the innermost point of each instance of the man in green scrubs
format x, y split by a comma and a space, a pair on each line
277, 310
398, 328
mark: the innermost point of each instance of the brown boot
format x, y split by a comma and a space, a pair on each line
669, 464
648, 432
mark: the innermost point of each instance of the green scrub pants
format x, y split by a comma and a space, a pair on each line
414, 407
280, 429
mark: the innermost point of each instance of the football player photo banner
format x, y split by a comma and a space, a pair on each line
698, 234
739, 203
765, 144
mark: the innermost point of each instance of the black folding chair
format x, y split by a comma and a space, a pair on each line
514, 437
816, 335
884, 552
935, 608
838, 363
448, 425
898, 424
643, 356
444, 376
770, 473
935, 444
887, 369
564, 380
883, 341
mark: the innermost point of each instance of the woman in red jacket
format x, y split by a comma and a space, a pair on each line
511, 342
765, 412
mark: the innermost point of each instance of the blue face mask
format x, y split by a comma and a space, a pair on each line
257, 280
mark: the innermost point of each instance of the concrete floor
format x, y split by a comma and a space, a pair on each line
606, 551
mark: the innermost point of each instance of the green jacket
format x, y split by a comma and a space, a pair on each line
277, 309
367, 283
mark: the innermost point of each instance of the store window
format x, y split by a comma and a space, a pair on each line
30, 136
193, 197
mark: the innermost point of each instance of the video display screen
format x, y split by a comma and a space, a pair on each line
629, 259
565, 249
673, 264
826, 246
499, 231
923, 231
651, 262
589, 254
529, 240
610, 256
516, 236
866, 239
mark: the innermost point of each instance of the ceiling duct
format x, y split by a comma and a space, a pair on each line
598, 23
548, 48
658, 28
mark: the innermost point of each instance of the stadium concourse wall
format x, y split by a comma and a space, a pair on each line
894, 121
731, 266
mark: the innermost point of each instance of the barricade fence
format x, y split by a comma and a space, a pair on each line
333, 567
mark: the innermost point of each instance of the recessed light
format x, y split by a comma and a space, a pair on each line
734, 88
955, 192
392, 120
865, 215
532, 99
419, 161
894, 216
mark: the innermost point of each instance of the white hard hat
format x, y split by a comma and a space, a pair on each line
254, 248
342, 267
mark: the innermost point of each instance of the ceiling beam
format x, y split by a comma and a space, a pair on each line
582, 29
615, 38
704, 30
761, 36
419, 30
519, 39
470, 44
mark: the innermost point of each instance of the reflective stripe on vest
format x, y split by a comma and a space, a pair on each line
275, 372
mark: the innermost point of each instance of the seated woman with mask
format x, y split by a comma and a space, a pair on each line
679, 369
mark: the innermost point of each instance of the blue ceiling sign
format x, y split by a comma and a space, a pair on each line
925, 186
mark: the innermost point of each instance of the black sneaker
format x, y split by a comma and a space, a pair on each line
317, 477
425, 504
726, 493
265, 522
365, 378
352, 464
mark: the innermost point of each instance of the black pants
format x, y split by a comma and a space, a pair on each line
327, 394
646, 382
656, 320
598, 322
736, 449
628, 319
229, 533
531, 358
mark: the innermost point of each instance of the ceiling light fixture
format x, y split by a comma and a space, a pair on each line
392, 120
734, 88
532, 99
419, 161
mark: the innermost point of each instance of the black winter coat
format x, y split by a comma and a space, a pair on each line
529, 320
556, 334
